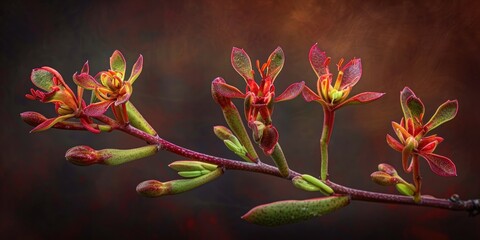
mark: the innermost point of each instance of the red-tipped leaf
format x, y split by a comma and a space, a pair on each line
360, 98
241, 63
446, 112
276, 60
291, 92
440, 165
97, 109
309, 96
226, 90
318, 60
136, 70
51, 122
86, 81
394, 144
404, 95
352, 72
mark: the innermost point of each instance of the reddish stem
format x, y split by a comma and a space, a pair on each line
472, 206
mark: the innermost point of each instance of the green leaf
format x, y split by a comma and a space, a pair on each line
446, 112
43, 79
291, 211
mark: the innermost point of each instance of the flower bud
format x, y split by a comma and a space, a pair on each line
384, 179
32, 118
83, 156
324, 188
299, 182
387, 169
223, 132
154, 188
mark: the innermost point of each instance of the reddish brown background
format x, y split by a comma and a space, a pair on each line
431, 46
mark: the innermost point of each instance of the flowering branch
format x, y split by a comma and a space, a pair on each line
111, 90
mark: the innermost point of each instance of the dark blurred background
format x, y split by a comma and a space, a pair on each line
431, 46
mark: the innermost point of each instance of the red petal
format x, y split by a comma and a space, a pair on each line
136, 70
86, 81
364, 97
309, 95
50, 123
318, 60
426, 140
351, 73
394, 143
226, 90
429, 148
440, 165
291, 92
97, 109
85, 68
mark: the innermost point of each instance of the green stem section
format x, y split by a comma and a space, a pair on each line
234, 121
279, 158
137, 120
328, 119
417, 179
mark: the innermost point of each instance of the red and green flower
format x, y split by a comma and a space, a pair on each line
55, 90
259, 98
110, 87
412, 134
335, 96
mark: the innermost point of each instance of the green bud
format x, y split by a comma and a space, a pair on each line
318, 183
154, 188
222, 132
407, 190
237, 148
291, 211
384, 179
188, 165
299, 182
193, 174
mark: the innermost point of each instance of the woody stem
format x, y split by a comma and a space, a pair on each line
472, 205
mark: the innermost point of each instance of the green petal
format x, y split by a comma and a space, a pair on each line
43, 79
117, 62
